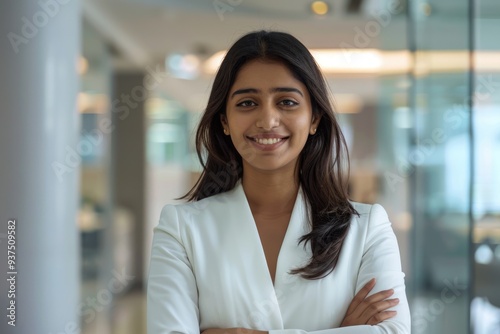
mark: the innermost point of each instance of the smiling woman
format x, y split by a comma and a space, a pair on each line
277, 246
268, 117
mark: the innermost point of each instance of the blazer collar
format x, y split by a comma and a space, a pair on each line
291, 255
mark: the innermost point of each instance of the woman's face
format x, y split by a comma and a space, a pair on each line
268, 116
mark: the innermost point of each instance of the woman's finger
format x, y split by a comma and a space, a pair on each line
382, 316
381, 295
370, 301
374, 309
360, 296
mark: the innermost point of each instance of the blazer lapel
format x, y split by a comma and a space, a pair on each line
291, 255
243, 241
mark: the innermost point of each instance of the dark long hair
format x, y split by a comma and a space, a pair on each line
321, 163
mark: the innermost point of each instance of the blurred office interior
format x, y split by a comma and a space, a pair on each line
101, 98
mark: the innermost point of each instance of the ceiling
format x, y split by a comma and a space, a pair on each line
143, 32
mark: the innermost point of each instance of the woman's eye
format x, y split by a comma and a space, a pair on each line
288, 103
247, 103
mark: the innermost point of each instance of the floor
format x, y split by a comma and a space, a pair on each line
126, 316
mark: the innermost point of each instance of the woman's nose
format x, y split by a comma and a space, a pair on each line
268, 117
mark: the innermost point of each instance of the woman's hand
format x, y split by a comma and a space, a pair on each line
371, 310
232, 331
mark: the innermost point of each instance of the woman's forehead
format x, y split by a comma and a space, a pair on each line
265, 74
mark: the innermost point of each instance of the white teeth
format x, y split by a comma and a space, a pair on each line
268, 141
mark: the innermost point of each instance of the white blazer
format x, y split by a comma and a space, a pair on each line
208, 270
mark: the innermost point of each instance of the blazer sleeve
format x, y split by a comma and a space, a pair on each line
381, 260
172, 295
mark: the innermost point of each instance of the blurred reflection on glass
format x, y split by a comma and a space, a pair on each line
485, 306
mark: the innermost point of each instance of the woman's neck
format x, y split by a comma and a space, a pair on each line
270, 194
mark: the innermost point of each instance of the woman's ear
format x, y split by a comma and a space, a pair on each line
225, 126
314, 123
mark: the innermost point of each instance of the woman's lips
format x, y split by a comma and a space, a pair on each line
267, 142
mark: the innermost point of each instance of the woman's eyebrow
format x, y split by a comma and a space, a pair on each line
272, 90
286, 90
245, 91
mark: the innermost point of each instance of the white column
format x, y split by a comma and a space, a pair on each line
39, 171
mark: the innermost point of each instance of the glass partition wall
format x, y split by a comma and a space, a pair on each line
439, 150
439, 160
485, 256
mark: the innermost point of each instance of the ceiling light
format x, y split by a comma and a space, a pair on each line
319, 7
183, 66
334, 60
363, 61
212, 64
378, 62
